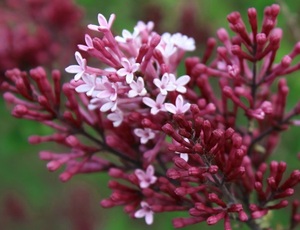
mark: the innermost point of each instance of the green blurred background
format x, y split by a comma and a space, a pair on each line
32, 198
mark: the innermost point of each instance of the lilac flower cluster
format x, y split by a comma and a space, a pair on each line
140, 69
176, 141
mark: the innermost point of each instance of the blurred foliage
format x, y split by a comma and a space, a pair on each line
41, 200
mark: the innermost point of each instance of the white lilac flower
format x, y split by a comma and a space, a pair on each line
145, 212
145, 134
137, 88
167, 50
103, 24
165, 38
157, 105
183, 42
146, 178
179, 107
141, 26
78, 69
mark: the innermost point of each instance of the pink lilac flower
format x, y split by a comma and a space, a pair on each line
130, 42
127, 36
95, 103
90, 82
137, 88
78, 69
146, 178
129, 69
116, 117
180, 82
145, 212
144, 134
179, 107
103, 24
157, 105
107, 90
165, 84
89, 44
142, 26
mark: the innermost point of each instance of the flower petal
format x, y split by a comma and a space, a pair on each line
170, 108
140, 213
149, 218
150, 170
148, 101
73, 69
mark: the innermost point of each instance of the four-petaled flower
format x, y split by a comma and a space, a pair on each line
116, 117
146, 212
127, 36
167, 50
90, 82
103, 24
128, 70
180, 82
146, 178
144, 134
108, 90
137, 88
165, 84
179, 106
78, 69
143, 27
89, 44
157, 105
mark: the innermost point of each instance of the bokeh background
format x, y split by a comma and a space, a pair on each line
32, 198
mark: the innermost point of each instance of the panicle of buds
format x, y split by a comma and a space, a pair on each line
176, 142
38, 98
